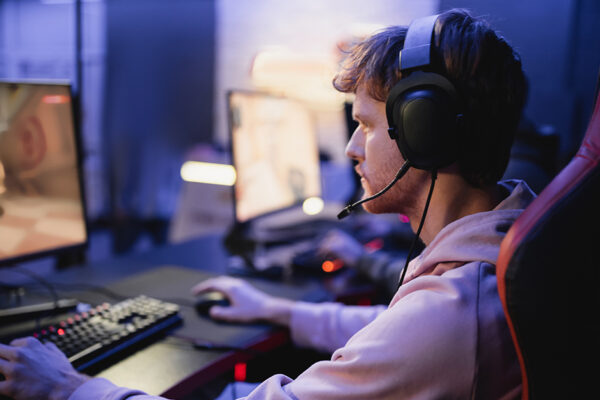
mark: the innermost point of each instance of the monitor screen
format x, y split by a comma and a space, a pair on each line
41, 200
275, 153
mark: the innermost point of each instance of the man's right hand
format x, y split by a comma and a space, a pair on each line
33, 371
247, 303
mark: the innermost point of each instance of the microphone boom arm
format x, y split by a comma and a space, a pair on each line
349, 208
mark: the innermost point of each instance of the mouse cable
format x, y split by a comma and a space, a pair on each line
212, 346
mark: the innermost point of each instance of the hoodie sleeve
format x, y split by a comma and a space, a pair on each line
328, 326
102, 389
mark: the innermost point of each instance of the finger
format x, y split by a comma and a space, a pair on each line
225, 313
4, 367
25, 341
324, 251
5, 388
203, 287
221, 283
7, 352
52, 347
209, 284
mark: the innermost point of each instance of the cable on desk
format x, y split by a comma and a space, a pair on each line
46, 284
114, 295
42, 281
207, 345
183, 302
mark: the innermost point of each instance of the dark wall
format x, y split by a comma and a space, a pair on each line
559, 44
159, 98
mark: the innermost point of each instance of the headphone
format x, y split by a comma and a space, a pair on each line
422, 109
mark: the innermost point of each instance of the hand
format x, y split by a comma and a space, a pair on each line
339, 244
246, 302
37, 371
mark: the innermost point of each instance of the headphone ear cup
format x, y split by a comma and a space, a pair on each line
423, 119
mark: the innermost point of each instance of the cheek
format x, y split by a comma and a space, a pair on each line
383, 156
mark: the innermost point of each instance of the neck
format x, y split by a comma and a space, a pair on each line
452, 199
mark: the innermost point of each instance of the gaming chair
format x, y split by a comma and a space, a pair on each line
548, 280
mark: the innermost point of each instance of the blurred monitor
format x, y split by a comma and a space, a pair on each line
275, 153
41, 199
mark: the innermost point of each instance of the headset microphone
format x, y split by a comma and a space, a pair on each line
349, 208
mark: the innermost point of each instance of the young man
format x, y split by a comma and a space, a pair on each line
444, 334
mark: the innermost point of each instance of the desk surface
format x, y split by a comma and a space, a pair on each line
170, 366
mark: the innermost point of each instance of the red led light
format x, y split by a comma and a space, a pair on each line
60, 331
365, 301
374, 245
239, 372
404, 218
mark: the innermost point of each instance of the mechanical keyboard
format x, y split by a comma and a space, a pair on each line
90, 337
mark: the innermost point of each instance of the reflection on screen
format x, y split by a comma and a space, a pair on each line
275, 153
41, 206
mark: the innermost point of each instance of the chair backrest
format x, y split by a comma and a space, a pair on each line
548, 279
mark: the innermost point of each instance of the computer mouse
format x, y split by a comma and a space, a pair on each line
205, 300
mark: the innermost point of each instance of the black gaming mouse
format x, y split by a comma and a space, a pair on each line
205, 300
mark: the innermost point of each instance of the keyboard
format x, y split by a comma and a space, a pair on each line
107, 331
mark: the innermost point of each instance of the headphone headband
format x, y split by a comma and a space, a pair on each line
422, 109
416, 51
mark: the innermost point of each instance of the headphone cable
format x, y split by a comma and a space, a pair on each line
416, 237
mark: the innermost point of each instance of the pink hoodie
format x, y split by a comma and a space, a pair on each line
443, 336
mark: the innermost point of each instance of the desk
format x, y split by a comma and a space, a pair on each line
168, 273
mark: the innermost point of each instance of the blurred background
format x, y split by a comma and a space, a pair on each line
151, 78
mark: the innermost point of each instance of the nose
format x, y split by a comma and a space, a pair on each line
355, 149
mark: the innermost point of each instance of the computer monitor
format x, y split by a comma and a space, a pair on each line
42, 208
275, 153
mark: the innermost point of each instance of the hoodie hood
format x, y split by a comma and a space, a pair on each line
476, 237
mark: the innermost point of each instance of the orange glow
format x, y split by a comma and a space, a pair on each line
327, 266
55, 99
332, 266
239, 372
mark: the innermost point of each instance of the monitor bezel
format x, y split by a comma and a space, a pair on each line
11, 261
264, 93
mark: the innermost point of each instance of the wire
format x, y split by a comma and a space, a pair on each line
416, 237
207, 345
183, 302
42, 281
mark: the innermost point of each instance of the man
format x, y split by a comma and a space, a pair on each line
444, 334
